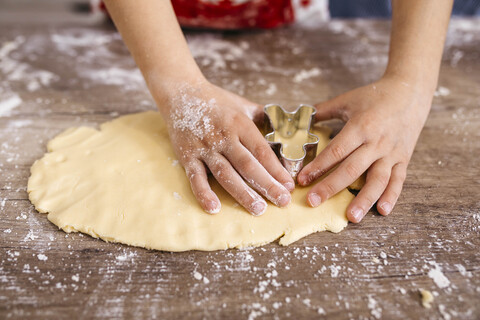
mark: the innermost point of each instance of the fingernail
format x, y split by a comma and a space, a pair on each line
387, 207
314, 199
283, 200
213, 207
289, 186
259, 207
357, 213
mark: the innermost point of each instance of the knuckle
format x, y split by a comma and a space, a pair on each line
401, 175
246, 164
316, 170
344, 112
394, 194
369, 200
261, 152
191, 171
352, 170
367, 123
238, 119
247, 197
272, 189
338, 152
382, 178
201, 195
186, 158
220, 170
328, 189
404, 154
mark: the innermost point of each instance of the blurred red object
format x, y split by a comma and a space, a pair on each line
228, 14
233, 14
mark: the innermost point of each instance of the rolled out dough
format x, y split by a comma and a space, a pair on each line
123, 184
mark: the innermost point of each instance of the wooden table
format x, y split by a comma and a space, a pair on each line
71, 75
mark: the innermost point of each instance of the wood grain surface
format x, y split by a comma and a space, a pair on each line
82, 74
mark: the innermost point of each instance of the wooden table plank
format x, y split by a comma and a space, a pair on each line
370, 270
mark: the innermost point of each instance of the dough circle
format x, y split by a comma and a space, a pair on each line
122, 184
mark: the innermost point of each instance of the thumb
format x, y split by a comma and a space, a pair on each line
331, 109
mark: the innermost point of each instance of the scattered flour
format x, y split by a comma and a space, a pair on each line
191, 114
438, 277
125, 78
87, 46
306, 74
271, 90
42, 257
68, 41
442, 92
334, 270
177, 196
6, 106
257, 310
213, 51
30, 236
375, 310
463, 271
321, 311
17, 71
21, 123
125, 256
340, 26
443, 312
476, 219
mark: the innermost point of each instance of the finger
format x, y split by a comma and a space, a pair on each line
229, 179
331, 109
347, 172
389, 198
337, 150
378, 176
256, 175
197, 175
261, 150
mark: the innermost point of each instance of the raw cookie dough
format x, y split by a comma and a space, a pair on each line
292, 147
123, 184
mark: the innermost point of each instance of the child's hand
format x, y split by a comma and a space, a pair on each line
212, 128
383, 122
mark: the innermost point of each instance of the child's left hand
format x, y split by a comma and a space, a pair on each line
383, 122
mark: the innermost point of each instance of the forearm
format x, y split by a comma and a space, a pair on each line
151, 32
418, 34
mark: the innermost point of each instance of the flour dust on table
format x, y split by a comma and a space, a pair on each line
122, 183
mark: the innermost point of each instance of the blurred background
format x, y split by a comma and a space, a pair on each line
305, 11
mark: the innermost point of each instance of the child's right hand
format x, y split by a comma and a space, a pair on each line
213, 128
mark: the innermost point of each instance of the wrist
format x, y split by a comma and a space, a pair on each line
166, 88
422, 83
421, 87
414, 96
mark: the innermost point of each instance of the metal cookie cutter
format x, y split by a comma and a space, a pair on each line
291, 129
